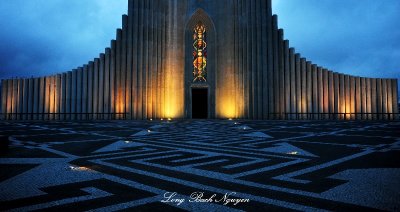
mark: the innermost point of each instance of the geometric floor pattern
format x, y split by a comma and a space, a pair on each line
200, 165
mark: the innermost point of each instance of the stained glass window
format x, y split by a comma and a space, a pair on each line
199, 53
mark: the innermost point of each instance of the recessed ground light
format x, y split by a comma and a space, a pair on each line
292, 153
148, 131
169, 119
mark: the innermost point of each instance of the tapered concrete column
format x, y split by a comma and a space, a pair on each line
25, 98
90, 89
112, 78
287, 81
368, 89
342, 96
10, 99
358, 97
348, 93
303, 87
85, 91
395, 98
31, 96
363, 97
36, 98
293, 100
336, 101
314, 81
58, 96
101, 86
384, 98
325, 84
107, 89
63, 97
68, 96
96, 88
374, 104
41, 97
331, 96
389, 98
353, 96
395, 95
4, 99
298, 84
79, 93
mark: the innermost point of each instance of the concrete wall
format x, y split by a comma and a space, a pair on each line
146, 73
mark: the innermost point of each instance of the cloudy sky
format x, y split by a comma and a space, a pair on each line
360, 37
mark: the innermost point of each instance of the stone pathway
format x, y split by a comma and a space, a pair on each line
201, 165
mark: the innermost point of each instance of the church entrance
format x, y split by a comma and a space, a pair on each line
199, 103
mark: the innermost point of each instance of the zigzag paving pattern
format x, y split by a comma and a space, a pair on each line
200, 165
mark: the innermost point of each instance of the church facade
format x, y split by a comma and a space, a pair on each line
199, 59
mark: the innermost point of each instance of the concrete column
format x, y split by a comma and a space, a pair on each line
68, 95
384, 98
90, 90
58, 96
129, 67
20, 98
331, 96
96, 88
4, 92
84, 105
342, 96
373, 99
348, 93
47, 97
15, 99
389, 98
336, 95
271, 60
353, 96
73, 94
52, 97
36, 98
136, 43
79, 93
368, 98
395, 98
379, 97
298, 84
287, 81
363, 97
309, 89
325, 84
25, 98
31, 97
259, 44
281, 74
118, 89
293, 100
276, 64
303, 87
320, 82
314, 81
63, 98
107, 99
113, 89
358, 97
265, 57
123, 58
41, 98
10, 100
101, 86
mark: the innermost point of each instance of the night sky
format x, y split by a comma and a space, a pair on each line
42, 37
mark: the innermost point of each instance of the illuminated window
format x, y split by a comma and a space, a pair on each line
199, 53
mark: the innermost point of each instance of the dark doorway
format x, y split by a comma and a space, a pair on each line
199, 103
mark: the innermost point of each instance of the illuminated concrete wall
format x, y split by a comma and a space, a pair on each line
146, 73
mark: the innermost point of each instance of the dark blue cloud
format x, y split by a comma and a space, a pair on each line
41, 37
360, 37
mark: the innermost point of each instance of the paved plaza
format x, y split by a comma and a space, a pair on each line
200, 165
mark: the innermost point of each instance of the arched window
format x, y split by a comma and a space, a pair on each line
199, 53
